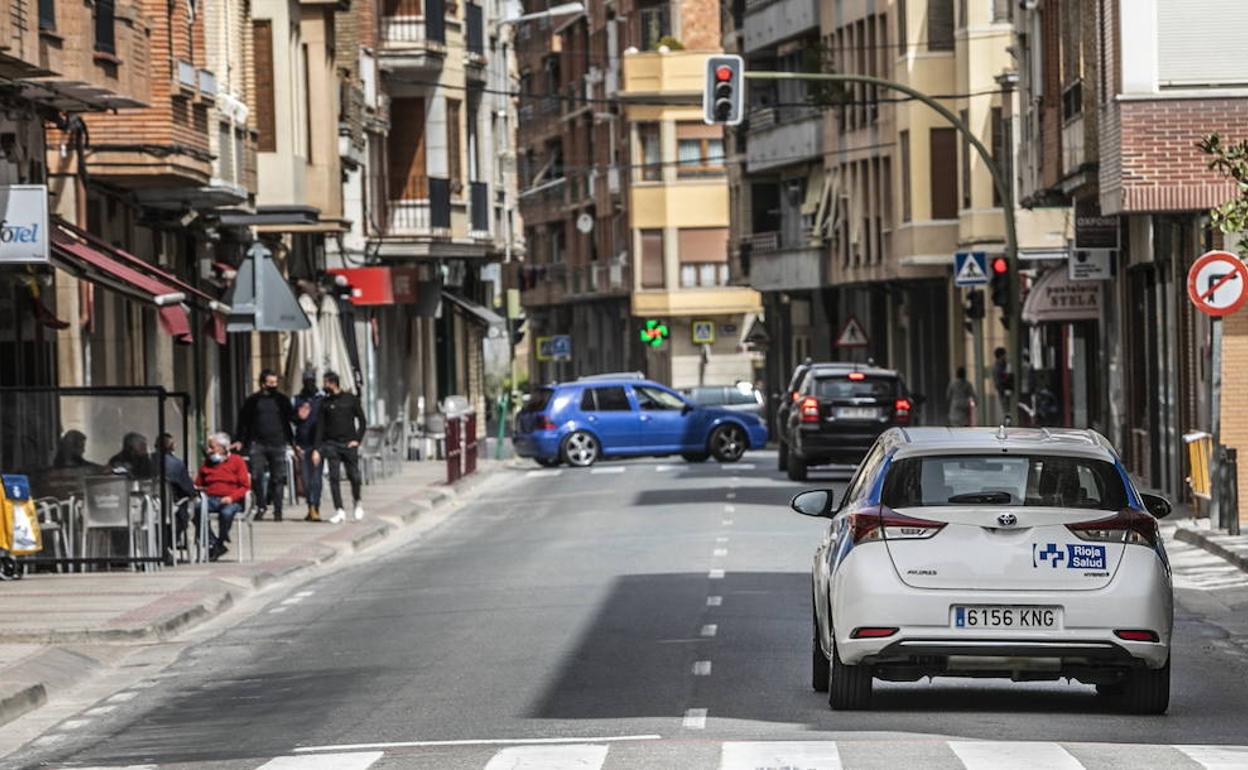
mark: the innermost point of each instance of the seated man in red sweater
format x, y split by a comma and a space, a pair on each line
225, 480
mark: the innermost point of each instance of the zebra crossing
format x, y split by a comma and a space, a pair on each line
750, 755
1198, 569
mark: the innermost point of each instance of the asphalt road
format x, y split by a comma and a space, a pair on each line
640, 614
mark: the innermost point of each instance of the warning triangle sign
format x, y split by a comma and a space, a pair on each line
852, 335
971, 271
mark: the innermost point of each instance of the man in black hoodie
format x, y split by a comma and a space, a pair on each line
265, 433
340, 426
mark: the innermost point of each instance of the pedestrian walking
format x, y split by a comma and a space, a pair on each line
339, 430
265, 434
224, 480
1002, 381
961, 397
307, 409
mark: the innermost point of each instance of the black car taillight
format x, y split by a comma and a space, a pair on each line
1126, 526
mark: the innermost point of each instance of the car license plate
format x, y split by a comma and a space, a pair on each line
1026, 618
857, 413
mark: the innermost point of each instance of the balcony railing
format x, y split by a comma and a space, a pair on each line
408, 217
763, 243
479, 211
415, 23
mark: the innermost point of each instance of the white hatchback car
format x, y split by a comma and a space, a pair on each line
1024, 554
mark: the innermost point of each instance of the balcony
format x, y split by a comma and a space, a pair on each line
768, 22
413, 35
422, 210
654, 73
19, 40
74, 76
779, 139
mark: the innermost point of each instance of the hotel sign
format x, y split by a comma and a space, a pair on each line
23, 224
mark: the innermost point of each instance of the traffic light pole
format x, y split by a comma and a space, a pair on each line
999, 179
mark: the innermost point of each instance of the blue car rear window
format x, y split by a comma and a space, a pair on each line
538, 400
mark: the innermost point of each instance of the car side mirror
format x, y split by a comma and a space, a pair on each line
687, 408
814, 502
1157, 505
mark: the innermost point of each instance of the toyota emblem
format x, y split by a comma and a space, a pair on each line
1007, 519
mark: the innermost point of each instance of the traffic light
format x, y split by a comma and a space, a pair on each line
517, 329
1000, 282
974, 304
724, 97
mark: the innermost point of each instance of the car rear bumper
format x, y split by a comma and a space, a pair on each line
544, 444
824, 444
867, 592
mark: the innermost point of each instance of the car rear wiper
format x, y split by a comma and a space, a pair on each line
987, 498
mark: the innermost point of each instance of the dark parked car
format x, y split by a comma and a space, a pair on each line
742, 397
839, 412
584, 421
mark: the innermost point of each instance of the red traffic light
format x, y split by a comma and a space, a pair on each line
723, 73
1000, 266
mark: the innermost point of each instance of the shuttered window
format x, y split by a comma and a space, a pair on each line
998, 149
965, 116
408, 178
652, 259
940, 25
944, 169
454, 162
266, 117
906, 194
1191, 43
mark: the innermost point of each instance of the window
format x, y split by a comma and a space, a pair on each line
266, 115
843, 387
902, 40
652, 399
648, 135
944, 173
408, 177
656, 24
940, 25
612, 399
1001, 10
105, 27
1186, 55
538, 400
652, 274
904, 139
1037, 480
453, 151
47, 14
998, 148
966, 162
700, 150
703, 256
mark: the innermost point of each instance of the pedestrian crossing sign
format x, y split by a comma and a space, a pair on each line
970, 268
704, 332
852, 335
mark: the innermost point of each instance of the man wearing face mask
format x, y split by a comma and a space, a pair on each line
340, 427
265, 433
224, 481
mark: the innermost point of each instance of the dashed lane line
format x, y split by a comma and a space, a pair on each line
606, 470
709, 630
719, 552
695, 719
714, 601
715, 574
701, 668
571, 757
548, 473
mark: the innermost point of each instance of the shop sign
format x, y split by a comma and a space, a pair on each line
554, 348
1093, 231
1056, 298
23, 224
1091, 265
381, 285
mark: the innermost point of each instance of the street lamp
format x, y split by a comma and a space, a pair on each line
559, 10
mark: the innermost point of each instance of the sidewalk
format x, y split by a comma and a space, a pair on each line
1200, 533
50, 619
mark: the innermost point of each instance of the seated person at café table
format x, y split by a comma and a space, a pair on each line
69, 468
225, 480
177, 477
133, 459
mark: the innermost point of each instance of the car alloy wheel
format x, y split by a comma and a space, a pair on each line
728, 443
580, 449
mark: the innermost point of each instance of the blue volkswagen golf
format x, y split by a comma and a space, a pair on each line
584, 421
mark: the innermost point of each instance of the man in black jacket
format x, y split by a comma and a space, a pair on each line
340, 426
265, 433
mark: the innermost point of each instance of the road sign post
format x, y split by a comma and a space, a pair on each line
1217, 285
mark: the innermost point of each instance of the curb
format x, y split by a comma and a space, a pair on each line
56, 667
1207, 541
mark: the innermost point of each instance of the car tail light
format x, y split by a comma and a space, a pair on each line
885, 524
795, 395
545, 423
1126, 526
857, 376
872, 632
1137, 635
901, 410
810, 409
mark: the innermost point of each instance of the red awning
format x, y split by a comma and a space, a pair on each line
94, 266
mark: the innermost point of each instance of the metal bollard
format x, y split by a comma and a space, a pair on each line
1228, 476
453, 449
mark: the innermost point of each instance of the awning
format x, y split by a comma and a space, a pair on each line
1056, 298
261, 300
479, 313
381, 285
85, 262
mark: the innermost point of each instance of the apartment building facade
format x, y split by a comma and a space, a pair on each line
625, 197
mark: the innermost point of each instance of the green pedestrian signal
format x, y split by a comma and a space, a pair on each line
654, 333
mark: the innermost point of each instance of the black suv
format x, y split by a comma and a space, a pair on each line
837, 411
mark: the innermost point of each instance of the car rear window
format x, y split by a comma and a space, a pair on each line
998, 480
538, 400
738, 396
706, 396
841, 386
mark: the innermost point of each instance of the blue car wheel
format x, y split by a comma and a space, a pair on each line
580, 449
728, 442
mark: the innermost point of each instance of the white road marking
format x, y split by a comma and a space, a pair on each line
662, 468
730, 509
1217, 757
709, 630
73, 724
714, 601
716, 574
608, 469
738, 467
306, 594
475, 742
577, 756
99, 711
721, 539
695, 719
720, 552
732, 496
1014, 755
357, 760
122, 697
807, 755
701, 668
278, 610
293, 600
543, 474
727, 522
